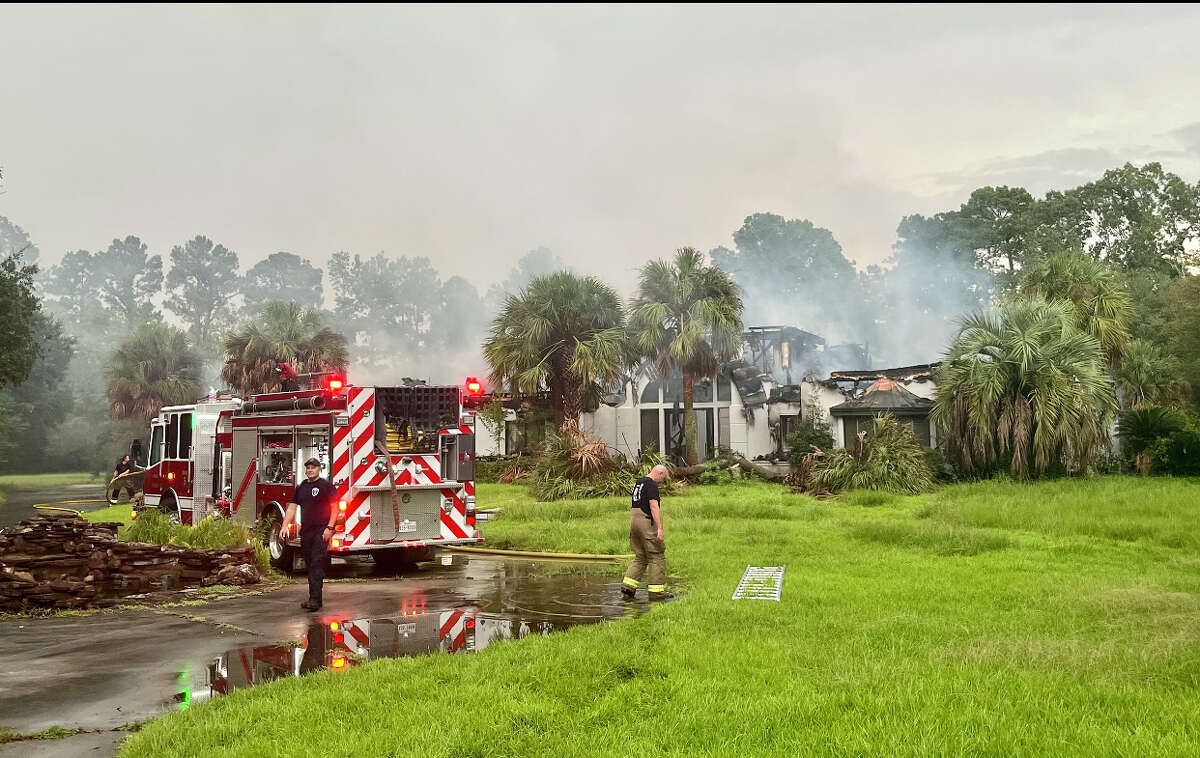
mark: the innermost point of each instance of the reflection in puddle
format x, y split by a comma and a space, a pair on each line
415, 628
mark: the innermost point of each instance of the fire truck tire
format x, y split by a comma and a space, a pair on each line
401, 557
281, 552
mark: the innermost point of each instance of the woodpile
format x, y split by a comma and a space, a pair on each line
65, 561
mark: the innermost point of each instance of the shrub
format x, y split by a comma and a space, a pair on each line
890, 459
490, 471
573, 467
155, 528
1181, 456
810, 433
1141, 430
942, 468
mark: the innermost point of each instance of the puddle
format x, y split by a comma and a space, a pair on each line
18, 504
509, 600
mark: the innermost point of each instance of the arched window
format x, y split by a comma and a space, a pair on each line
650, 391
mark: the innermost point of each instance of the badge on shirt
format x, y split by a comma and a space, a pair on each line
316, 491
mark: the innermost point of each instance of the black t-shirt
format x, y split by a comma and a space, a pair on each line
645, 490
315, 500
123, 466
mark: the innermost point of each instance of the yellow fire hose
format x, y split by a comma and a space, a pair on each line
46, 507
540, 556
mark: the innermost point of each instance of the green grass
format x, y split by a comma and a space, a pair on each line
121, 513
14, 482
984, 619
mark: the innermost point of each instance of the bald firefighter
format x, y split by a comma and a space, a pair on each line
646, 537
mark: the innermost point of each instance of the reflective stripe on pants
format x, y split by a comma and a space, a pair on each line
648, 551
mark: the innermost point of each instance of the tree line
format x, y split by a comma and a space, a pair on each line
97, 318
97, 342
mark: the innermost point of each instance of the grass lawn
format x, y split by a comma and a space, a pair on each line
13, 482
121, 513
984, 619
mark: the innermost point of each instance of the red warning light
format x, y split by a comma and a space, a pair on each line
335, 384
474, 386
339, 662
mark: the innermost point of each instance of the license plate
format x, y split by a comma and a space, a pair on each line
407, 526
406, 629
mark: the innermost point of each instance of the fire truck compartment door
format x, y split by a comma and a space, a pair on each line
419, 517
245, 456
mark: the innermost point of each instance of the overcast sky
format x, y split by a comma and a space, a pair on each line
608, 134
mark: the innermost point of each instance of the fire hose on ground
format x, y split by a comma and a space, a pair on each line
536, 555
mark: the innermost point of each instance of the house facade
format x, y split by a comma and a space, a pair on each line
743, 408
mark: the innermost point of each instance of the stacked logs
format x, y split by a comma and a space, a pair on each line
65, 561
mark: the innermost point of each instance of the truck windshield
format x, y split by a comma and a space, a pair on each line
156, 441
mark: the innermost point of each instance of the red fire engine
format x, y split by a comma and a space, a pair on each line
402, 460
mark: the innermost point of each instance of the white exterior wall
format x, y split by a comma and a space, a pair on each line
817, 394
485, 445
620, 427
827, 397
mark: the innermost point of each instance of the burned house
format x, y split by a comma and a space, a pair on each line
751, 405
789, 355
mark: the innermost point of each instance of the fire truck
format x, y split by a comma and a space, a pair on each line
401, 458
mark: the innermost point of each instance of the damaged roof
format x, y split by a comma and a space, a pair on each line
749, 381
920, 372
885, 395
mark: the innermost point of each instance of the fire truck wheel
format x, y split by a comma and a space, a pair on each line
281, 552
399, 558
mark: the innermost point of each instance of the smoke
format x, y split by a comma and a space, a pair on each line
905, 312
404, 322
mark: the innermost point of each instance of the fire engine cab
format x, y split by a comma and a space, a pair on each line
401, 458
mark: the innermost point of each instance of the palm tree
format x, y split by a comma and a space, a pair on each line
283, 332
1026, 386
564, 332
1103, 307
153, 368
687, 318
1148, 376
1142, 427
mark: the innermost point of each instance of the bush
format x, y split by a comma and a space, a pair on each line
1141, 431
890, 459
810, 433
157, 529
490, 471
572, 467
1109, 462
1181, 454
942, 468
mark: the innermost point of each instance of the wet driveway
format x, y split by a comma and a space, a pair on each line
103, 671
18, 504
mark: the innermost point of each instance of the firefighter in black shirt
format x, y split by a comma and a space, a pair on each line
646, 538
124, 466
314, 498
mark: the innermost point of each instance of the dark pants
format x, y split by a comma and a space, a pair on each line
315, 551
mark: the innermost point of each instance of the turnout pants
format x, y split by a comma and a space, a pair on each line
315, 551
648, 552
